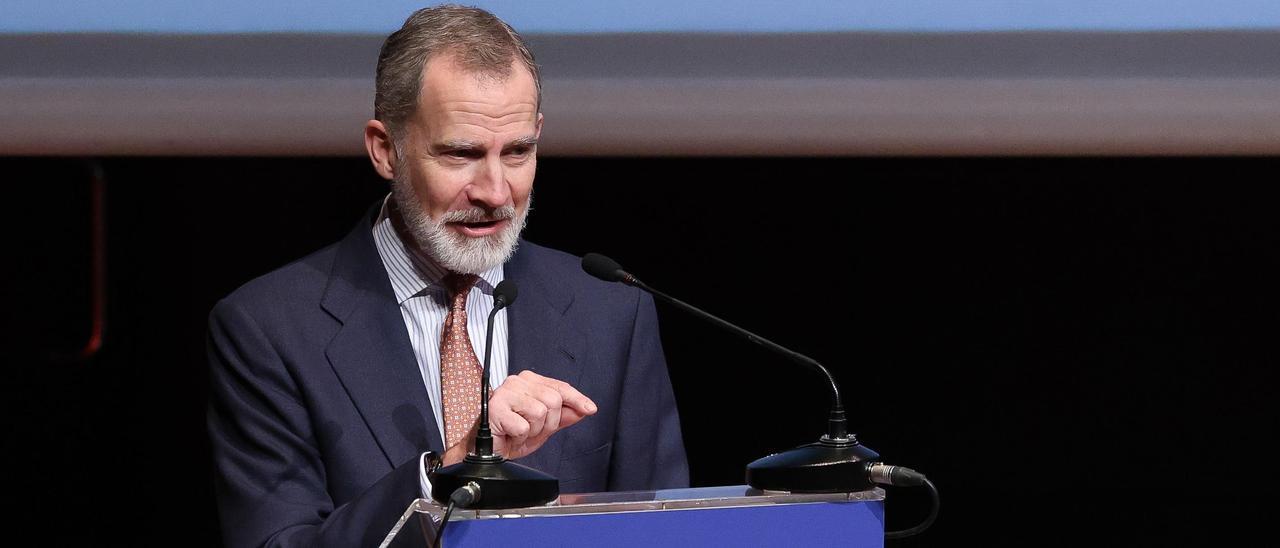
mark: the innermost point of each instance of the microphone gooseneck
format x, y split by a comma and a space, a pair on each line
836, 463
491, 481
609, 270
504, 295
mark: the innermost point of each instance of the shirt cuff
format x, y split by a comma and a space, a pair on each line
422, 477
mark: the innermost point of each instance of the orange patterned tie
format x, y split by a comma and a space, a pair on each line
459, 368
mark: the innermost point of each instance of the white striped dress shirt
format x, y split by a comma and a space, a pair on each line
424, 304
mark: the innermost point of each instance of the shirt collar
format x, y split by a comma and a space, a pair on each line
411, 271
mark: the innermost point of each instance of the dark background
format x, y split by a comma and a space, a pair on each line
1073, 349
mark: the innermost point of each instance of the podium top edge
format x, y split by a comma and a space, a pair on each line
728, 496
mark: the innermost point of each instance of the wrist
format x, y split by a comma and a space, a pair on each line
455, 454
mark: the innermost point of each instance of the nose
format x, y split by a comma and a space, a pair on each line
489, 189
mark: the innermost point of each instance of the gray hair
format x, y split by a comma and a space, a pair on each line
481, 42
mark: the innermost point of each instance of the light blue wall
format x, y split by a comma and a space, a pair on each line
588, 16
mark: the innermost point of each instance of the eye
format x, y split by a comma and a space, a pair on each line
462, 153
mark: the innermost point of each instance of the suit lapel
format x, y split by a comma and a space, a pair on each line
541, 339
372, 356
371, 353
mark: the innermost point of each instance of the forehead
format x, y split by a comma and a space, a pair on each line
458, 98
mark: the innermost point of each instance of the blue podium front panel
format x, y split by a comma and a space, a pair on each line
859, 524
710, 516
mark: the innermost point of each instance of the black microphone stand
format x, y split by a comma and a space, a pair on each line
502, 483
837, 463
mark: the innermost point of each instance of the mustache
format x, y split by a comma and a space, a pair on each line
479, 215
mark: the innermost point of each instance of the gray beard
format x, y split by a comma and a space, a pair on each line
451, 249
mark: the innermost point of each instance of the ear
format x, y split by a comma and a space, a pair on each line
382, 152
537, 128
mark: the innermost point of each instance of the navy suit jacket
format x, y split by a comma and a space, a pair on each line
318, 413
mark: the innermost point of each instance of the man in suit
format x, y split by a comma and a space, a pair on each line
338, 380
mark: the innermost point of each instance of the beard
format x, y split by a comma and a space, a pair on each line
451, 249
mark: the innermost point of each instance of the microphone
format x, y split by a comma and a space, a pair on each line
836, 463
490, 480
503, 296
606, 269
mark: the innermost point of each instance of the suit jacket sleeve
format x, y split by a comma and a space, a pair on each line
649, 450
269, 477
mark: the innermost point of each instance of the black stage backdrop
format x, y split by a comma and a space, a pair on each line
1074, 349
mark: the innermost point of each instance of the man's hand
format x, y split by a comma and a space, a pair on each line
525, 411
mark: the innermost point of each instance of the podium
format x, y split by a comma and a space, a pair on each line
709, 516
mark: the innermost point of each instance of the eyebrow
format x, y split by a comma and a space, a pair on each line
457, 144
527, 141
463, 144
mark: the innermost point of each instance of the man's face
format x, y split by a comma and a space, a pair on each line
466, 162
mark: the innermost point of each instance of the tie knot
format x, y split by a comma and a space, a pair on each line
459, 286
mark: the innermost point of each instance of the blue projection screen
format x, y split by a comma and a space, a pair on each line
665, 77
612, 16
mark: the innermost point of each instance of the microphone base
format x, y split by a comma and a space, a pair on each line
503, 484
829, 466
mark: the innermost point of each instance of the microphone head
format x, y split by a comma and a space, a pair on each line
603, 267
505, 293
